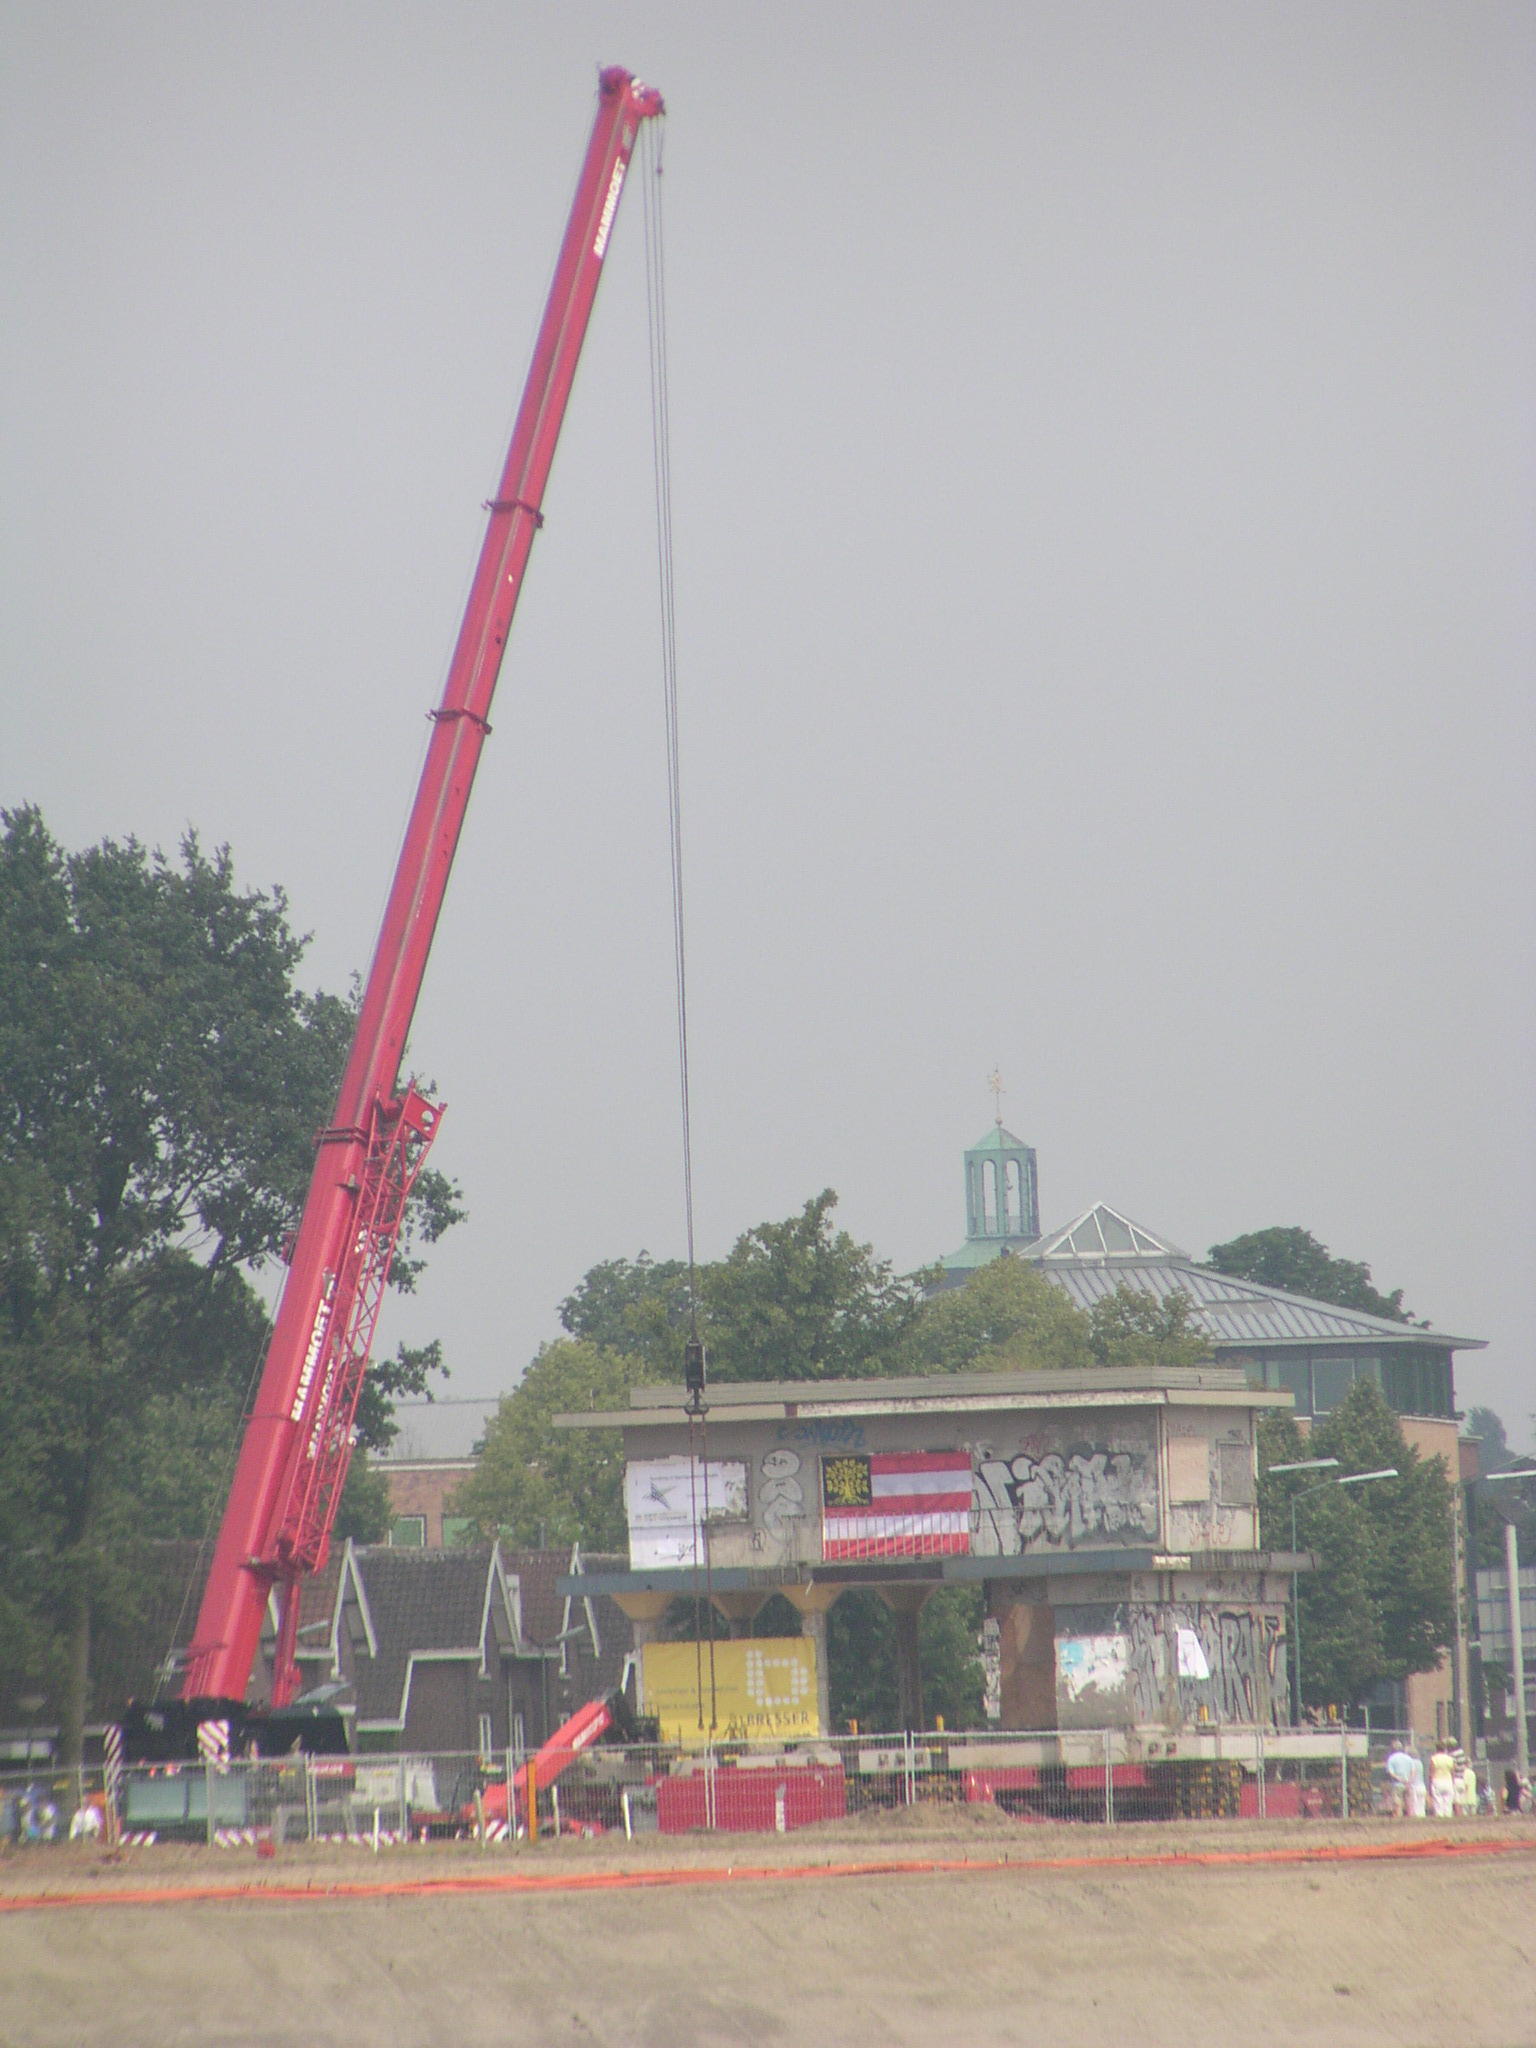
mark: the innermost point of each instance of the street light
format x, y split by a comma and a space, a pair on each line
1516, 1633
1348, 1479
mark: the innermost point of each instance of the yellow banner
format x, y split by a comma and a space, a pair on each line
763, 1688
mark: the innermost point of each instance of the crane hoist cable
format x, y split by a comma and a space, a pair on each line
695, 1366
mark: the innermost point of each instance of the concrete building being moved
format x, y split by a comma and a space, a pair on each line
1110, 1516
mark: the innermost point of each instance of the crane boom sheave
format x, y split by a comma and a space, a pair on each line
298, 1436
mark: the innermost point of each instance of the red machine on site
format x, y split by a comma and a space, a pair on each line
298, 1438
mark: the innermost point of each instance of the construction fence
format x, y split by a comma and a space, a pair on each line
1106, 1778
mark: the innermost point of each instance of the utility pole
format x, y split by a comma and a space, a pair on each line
1516, 1634
1517, 1648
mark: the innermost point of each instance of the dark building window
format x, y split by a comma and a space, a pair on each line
1414, 1379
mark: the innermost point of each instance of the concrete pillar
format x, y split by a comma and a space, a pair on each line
740, 1609
814, 1604
645, 1613
1027, 1658
907, 1603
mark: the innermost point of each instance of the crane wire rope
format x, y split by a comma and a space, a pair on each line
661, 450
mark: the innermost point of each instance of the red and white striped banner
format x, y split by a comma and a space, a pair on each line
896, 1504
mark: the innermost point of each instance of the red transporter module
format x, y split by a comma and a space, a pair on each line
298, 1438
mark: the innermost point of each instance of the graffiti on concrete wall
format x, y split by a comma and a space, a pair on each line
1085, 1494
780, 1493
1239, 1649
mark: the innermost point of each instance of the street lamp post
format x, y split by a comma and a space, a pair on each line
1347, 1479
1516, 1632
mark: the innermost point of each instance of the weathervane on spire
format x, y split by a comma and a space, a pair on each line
995, 1083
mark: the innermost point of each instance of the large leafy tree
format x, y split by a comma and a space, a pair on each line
1289, 1257
800, 1300
1131, 1327
1006, 1318
1381, 1603
793, 1300
1491, 1507
161, 1078
861, 1659
638, 1306
536, 1484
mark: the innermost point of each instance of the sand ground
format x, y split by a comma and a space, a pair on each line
1420, 1954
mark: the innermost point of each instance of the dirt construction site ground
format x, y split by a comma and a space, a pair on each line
1136, 1937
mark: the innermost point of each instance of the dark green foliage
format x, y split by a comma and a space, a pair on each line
1292, 1258
1380, 1604
799, 1300
1130, 1327
861, 1652
637, 1306
1490, 1507
363, 1513
1006, 1318
162, 1077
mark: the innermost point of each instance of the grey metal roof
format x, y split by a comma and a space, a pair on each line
1230, 1311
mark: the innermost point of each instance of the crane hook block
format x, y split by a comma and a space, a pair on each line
694, 1371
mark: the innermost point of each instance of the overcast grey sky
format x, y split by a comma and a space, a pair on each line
1103, 476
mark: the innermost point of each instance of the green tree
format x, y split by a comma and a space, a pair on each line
861, 1660
1380, 1604
1292, 1258
638, 1306
799, 1300
534, 1483
792, 1300
161, 1078
1006, 1318
1130, 1327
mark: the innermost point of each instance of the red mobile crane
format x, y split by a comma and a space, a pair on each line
298, 1438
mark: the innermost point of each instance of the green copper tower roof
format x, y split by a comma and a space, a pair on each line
1002, 1199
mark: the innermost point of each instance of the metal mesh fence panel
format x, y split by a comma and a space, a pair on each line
1089, 1777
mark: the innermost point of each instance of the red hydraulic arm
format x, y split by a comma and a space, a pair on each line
298, 1438
534, 1778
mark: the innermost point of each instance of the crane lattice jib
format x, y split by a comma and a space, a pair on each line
277, 1520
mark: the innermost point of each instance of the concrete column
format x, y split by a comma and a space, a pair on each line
645, 1613
1027, 1656
740, 1609
814, 1604
907, 1603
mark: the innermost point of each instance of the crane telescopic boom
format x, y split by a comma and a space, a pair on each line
298, 1437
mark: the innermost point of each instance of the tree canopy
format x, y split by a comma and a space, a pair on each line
1380, 1605
1289, 1257
1130, 1327
162, 1075
1006, 1318
534, 1484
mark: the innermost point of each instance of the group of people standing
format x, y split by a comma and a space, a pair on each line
1448, 1790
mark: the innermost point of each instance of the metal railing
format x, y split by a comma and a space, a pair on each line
1101, 1777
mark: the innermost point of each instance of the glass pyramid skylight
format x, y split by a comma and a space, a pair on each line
1103, 1233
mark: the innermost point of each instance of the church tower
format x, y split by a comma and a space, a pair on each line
1002, 1189
1002, 1202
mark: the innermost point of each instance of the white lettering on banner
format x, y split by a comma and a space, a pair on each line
311, 1356
605, 219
